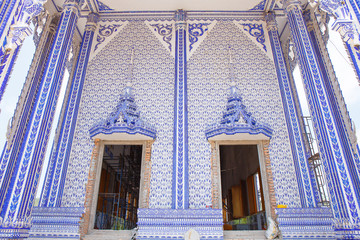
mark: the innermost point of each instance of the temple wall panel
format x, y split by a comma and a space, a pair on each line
208, 83
208, 88
153, 86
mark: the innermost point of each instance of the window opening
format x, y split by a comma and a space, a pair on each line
242, 194
119, 187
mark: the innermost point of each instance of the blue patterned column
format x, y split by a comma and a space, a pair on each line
338, 107
15, 19
8, 69
347, 23
307, 193
180, 194
56, 174
6, 13
17, 130
354, 52
17, 195
342, 177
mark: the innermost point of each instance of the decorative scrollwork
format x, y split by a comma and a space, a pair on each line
196, 30
33, 8
19, 28
257, 31
330, 6
103, 7
104, 32
259, 6
164, 30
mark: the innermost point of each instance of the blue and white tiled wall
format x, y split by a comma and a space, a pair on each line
208, 84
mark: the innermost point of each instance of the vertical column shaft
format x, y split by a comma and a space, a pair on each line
14, 27
6, 12
59, 159
180, 161
343, 189
341, 115
17, 131
290, 65
307, 196
353, 51
20, 192
6, 68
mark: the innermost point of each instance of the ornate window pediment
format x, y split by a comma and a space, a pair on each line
125, 123
237, 123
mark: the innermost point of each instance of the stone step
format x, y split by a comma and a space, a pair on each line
127, 234
109, 235
242, 235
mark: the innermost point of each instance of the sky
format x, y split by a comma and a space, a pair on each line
344, 71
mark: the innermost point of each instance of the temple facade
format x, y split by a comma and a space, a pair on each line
181, 120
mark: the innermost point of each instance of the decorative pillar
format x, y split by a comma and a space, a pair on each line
215, 176
14, 28
340, 165
180, 194
269, 178
175, 222
90, 187
56, 173
347, 17
145, 190
19, 193
354, 52
7, 64
307, 193
291, 62
7, 8
343, 121
17, 130
6, 15
331, 83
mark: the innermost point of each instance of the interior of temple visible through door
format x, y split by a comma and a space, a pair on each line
242, 194
118, 196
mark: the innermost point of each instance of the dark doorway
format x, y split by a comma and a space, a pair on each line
242, 195
118, 197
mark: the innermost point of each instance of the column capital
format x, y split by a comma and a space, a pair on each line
271, 22
92, 20
180, 15
53, 24
72, 5
289, 5
180, 18
308, 20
